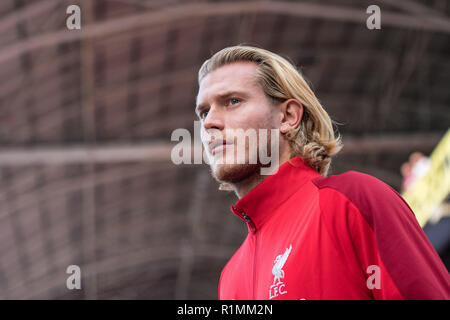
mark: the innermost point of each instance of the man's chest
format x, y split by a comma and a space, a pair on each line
289, 261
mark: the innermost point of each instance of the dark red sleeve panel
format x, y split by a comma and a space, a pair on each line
384, 232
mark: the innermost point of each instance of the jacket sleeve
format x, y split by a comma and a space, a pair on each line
390, 246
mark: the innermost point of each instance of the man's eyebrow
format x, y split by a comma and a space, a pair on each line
232, 93
200, 107
222, 96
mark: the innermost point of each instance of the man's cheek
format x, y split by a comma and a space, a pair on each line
203, 136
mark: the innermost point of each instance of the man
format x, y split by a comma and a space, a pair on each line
346, 236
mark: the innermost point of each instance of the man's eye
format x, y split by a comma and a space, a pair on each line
234, 100
203, 114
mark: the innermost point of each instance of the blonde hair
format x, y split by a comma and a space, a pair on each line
314, 139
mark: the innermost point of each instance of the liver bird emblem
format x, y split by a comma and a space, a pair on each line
279, 262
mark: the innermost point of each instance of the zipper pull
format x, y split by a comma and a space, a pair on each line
249, 221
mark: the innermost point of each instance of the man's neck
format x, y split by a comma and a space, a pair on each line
243, 187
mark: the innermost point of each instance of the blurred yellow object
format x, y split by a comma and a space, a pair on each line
427, 194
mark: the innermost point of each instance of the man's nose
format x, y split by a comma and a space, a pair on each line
214, 119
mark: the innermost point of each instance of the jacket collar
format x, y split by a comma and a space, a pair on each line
263, 200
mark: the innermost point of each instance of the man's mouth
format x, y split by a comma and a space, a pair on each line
218, 145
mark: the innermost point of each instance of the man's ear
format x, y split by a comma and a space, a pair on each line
291, 113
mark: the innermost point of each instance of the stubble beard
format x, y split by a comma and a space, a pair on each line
235, 173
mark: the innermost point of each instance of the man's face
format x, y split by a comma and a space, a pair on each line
230, 98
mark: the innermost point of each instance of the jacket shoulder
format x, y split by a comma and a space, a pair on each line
367, 193
352, 183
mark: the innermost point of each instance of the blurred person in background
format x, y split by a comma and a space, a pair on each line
437, 230
346, 236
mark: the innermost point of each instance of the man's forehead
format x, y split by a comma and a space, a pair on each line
232, 77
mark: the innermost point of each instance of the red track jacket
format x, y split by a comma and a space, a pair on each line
346, 236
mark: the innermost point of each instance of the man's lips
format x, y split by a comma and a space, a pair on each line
217, 146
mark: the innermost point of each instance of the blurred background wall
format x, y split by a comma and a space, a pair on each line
86, 118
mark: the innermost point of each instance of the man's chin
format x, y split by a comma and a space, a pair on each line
234, 173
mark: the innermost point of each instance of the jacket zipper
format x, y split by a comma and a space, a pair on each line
253, 228
249, 221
